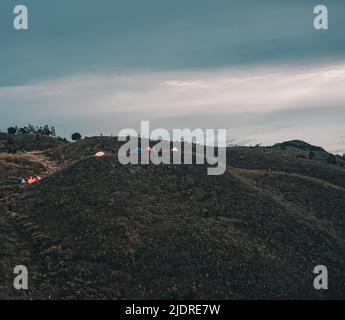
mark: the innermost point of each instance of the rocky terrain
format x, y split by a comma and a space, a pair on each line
95, 229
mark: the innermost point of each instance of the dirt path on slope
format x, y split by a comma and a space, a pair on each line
49, 165
21, 240
291, 207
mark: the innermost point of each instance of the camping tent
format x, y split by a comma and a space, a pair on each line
32, 180
100, 154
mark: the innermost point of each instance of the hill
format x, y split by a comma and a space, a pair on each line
305, 150
298, 144
28, 142
93, 228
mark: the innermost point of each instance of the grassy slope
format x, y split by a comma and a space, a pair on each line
103, 230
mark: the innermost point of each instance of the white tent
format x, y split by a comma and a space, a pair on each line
100, 154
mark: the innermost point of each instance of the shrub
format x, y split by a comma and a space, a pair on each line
12, 131
76, 136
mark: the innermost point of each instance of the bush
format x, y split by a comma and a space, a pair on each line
12, 131
30, 129
76, 136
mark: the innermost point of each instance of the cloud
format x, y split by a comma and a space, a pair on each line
158, 94
265, 95
176, 83
70, 37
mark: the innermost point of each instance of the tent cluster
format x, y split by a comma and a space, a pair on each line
30, 180
137, 150
149, 149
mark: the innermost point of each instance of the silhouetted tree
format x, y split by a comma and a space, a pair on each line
62, 139
12, 131
76, 136
23, 130
31, 129
39, 130
46, 131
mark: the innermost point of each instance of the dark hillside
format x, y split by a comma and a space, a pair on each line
93, 228
275, 160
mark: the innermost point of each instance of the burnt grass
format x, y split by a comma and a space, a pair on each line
96, 229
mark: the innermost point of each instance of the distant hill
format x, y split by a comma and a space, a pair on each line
305, 150
96, 229
298, 144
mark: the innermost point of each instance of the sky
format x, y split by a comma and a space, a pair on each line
258, 69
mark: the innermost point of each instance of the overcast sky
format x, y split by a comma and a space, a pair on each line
257, 68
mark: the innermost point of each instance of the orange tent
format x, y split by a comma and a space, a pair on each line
32, 180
